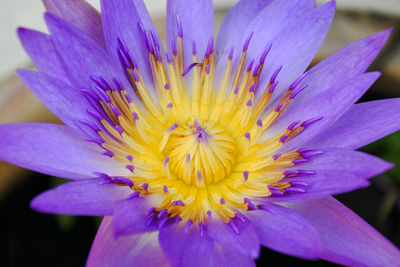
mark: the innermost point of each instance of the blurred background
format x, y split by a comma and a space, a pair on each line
32, 239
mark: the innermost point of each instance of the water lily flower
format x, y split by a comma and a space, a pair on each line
200, 153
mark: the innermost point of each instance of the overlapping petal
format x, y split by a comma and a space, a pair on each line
121, 19
67, 103
283, 230
197, 20
245, 241
185, 248
362, 124
131, 216
302, 33
82, 56
55, 150
84, 197
138, 250
42, 52
342, 65
79, 13
329, 104
347, 239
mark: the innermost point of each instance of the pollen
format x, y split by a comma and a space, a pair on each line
203, 148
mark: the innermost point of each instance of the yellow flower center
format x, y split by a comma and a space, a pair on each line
202, 151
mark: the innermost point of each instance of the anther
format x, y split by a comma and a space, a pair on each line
130, 168
247, 135
165, 189
162, 213
296, 92
292, 125
133, 195
275, 74
95, 141
230, 57
283, 138
246, 175
145, 186
222, 201
298, 81
247, 42
162, 222
311, 121
166, 86
265, 53
179, 26
150, 211
122, 180
276, 156
272, 88
259, 123
294, 190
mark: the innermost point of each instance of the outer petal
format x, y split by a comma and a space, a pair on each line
362, 124
235, 23
225, 257
294, 45
131, 216
82, 56
323, 183
197, 20
42, 53
84, 197
330, 104
79, 13
67, 103
285, 231
347, 239
346, 63
126, 251
358, 163
185, 249
120, 20
245, 242
55, 150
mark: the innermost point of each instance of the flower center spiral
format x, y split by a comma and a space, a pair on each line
202, 151
200, 155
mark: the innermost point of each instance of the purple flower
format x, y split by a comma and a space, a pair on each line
199, 154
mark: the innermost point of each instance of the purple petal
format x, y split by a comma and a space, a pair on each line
130, 217
79, 13
301, 34
55, 150
42, 53
362, 124
358, 163
197, 20
226, 257
287, 232
321, 184
137, 250
66, 102
246, 242
330, 104
82, 56
120, 20
347, 239
235, 24
84, 197
185, 249
344, 64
